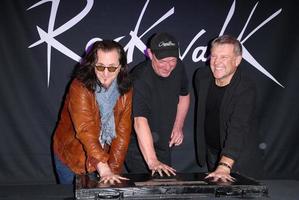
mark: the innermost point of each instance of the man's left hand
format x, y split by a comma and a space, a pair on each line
221, 174
177, 137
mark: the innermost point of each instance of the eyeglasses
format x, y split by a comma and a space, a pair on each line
101, 68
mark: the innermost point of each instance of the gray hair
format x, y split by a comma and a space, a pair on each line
227, 39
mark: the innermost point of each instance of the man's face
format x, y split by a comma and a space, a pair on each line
107, 67
162, 67
224, 63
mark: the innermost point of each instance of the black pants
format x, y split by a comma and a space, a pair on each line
135, 162
212, 158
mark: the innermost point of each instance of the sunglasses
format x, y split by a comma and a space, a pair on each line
101, 68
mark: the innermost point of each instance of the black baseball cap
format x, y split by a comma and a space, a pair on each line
164, 45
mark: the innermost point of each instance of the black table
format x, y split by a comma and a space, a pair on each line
181, 186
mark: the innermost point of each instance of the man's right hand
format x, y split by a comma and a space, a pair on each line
107, 176
157, 166
145, 141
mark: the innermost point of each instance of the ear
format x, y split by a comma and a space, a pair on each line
238, 60
150, 53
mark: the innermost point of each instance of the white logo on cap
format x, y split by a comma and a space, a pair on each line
166, 44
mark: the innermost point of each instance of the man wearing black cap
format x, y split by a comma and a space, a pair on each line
160, 105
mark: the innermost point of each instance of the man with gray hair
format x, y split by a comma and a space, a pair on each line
226, 101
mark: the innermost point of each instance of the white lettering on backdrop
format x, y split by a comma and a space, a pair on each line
198, 54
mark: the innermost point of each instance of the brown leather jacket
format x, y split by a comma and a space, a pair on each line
76, 138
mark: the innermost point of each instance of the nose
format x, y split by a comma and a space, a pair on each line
106, 72
216, 61
168, 66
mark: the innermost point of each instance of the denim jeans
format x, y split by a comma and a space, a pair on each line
65, 175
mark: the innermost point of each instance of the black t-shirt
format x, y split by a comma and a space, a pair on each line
212, 120
156, 98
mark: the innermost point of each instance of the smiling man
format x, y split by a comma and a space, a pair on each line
160, 105
226, 100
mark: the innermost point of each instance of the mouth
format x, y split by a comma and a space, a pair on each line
219, 68
166, 73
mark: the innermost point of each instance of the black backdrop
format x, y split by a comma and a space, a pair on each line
41, 42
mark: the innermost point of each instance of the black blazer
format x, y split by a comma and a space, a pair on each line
236, 116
